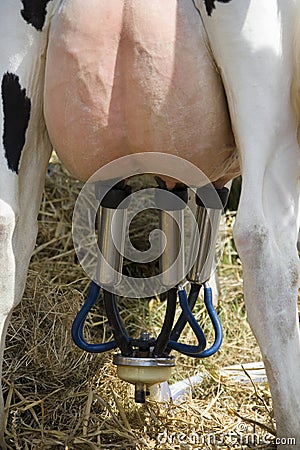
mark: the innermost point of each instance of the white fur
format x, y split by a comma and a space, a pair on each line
22, 51
252, 41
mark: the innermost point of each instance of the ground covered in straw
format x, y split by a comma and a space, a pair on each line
58, 397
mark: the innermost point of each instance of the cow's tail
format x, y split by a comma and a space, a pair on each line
295, 91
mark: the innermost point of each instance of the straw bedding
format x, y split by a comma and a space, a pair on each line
59, 397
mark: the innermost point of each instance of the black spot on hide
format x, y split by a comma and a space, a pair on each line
34, 12
210, 5
16, 111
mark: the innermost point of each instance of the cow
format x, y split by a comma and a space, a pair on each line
102, 79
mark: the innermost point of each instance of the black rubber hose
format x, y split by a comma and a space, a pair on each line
182, 320
115, 321
164, 336
190, 350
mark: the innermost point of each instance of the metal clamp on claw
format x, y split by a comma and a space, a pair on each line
146, 361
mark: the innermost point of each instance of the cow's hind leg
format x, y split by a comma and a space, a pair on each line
252, 43
266, 235
24, 151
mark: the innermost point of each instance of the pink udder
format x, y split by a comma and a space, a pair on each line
122, 78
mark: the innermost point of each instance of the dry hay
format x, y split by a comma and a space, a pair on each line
59, 397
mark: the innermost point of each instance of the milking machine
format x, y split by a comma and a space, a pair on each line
145, 361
